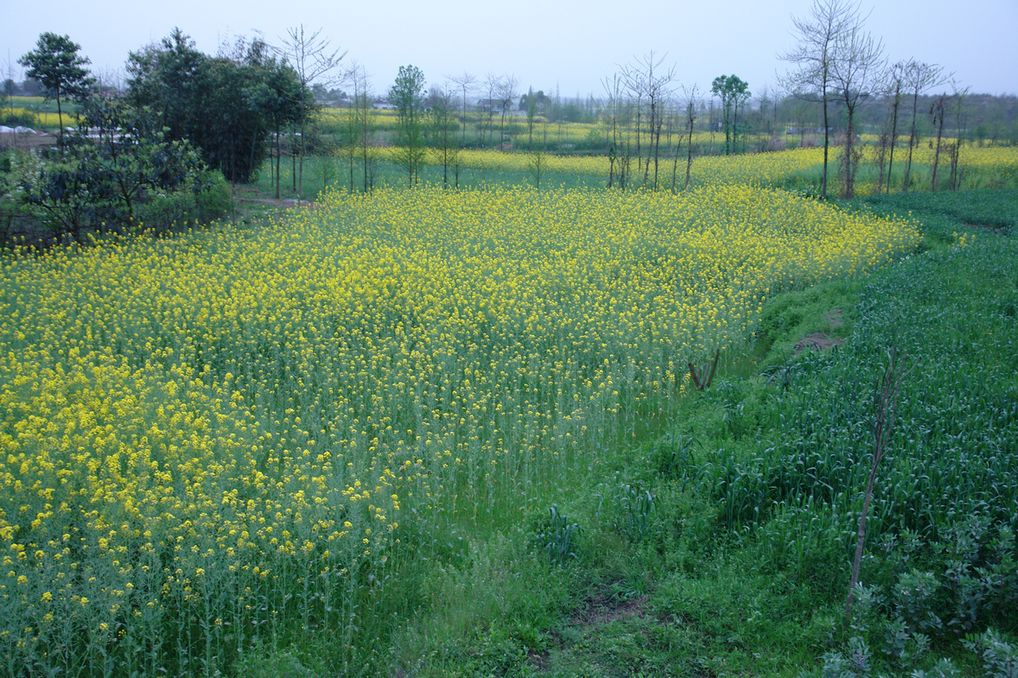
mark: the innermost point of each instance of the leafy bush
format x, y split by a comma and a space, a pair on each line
210, 200
118, 170
999, 657
214, 197
629, 510
557, 536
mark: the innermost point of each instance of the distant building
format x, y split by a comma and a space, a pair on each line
489, 105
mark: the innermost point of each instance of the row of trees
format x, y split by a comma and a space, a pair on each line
642, 117
837, 60
234, 107
837, 65
143, 157
252, 101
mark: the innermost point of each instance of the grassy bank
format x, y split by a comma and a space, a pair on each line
722, 545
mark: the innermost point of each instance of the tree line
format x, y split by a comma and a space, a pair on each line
182, 114
245, 108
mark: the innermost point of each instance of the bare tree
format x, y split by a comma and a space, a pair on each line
530, 100
538, 161
811, 77
939, 110
506, 97
109, 80
8, 88
649, 81
885, 404
358, 127
443, 118
493, 83
313, 58
856, 60
955, 149
464, 82
613, 92
690, 119
894, 82
920, 76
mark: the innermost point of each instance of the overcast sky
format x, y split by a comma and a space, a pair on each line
572, 45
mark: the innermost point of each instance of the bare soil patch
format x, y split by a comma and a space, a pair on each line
993, 228
605, 609
818, 341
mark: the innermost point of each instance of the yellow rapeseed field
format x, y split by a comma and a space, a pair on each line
754, 168
205, 437
761, 169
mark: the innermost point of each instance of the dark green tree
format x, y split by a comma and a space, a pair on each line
227, 105
56, 63
279, 95
732, 91
117, 160
170, 79
406, 94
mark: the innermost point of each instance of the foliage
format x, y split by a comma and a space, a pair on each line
56, 63
999, 657
557, 536
226, 106
115, 161
407, 94
733, 91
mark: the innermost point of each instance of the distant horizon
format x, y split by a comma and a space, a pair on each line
564, 48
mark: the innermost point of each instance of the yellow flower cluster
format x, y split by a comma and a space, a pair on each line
752, 168
996, 163
229, 425
44, 118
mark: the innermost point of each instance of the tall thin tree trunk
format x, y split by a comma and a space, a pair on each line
689, 149
849, 160
60, 121
300, 164
827, 137
279, 153
735, 125
675, 168
894, 135
938, 119
907, 181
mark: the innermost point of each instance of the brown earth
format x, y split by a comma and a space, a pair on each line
818, 341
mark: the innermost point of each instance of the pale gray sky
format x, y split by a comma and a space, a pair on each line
572, 44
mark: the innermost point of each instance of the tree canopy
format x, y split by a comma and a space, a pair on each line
407, 95
57, 64
226, 105
732, 91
